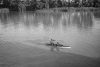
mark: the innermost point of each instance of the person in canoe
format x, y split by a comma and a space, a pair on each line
52, 42
54, 45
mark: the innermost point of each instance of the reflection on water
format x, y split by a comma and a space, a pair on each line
77, 29
80, 20
53, 48
97, 14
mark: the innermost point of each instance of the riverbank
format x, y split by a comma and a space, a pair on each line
24, 55
76, 9
66, 9
63, 9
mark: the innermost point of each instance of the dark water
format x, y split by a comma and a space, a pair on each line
80, 30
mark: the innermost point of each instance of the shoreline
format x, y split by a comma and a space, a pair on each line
63, 9
76, 9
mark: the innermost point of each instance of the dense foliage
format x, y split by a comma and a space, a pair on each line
46, 4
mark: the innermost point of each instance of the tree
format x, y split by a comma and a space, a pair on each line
96, 3
5, 3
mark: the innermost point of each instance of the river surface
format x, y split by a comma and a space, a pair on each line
80, 30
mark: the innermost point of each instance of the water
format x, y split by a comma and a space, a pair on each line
80, 30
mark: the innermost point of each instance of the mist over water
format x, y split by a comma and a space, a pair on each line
80, 30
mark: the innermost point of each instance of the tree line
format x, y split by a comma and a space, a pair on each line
46, 4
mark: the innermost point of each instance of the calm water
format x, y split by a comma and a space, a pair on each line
80, 30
